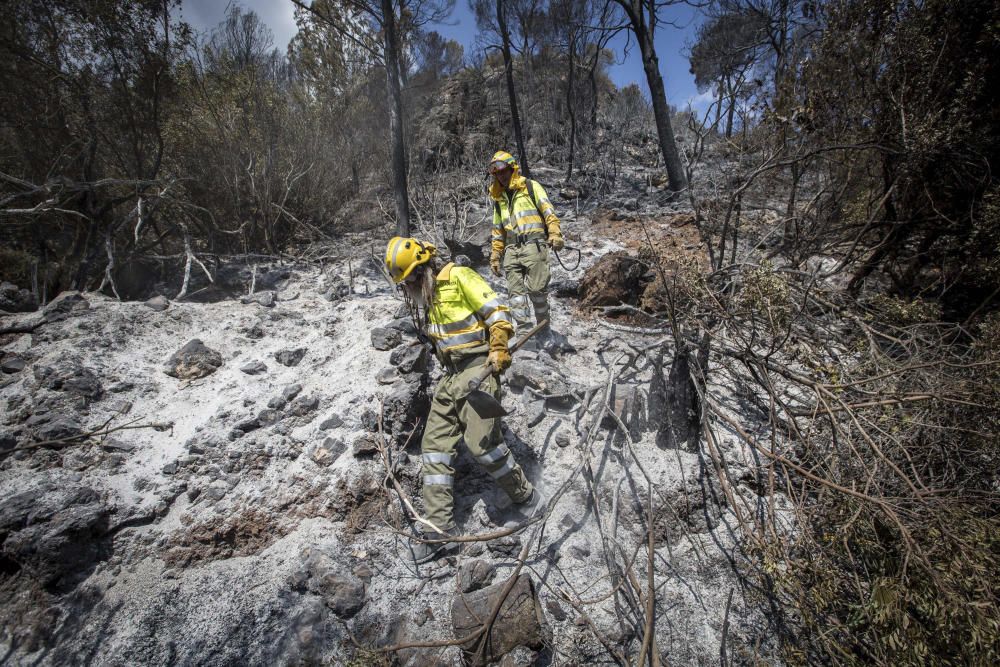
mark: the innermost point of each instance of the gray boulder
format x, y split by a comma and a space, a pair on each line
54, 532
290, 358
12, 364
404, 408
403, 325
385, 339
328, 451
16, 300
69, 375
266, 299
65, 305
60, 428
157, 303
254, 367
537, 374
340, 590
194, 360
303, 405
474, 575
410, 358
333, 421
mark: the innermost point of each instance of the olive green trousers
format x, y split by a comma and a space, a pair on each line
526, 268
452, 420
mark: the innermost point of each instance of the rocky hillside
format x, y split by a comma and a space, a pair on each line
222, 483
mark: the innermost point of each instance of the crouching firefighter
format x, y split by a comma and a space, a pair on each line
470, 327
525, 226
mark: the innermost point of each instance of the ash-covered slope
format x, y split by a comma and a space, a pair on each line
241, 514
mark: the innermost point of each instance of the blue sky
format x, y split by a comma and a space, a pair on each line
671, 41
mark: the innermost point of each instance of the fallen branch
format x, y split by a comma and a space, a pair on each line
61, 443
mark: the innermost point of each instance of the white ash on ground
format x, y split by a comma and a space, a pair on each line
252, 526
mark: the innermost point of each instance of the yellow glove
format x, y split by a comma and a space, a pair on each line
556, 242
495, 263
499, 353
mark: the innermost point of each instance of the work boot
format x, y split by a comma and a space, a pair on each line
424, 552
536, 504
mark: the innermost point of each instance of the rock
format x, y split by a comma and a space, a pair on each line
385, 339
254, 368
70, 376
277, 403
404, 411
329, 451
303, 405
115, 445
60, 428
474, 575
170, 468
339, 288
8, 441
81, 458
557, 344
266, 298
16, 300
556, 610
157, 303
387, 376
291, 391
12, 364
534, 413
194, 360
268, 417
217, 490
65, 305
331, 422
403, 325
364, 445
341, 591
410, 358
518, 623
539, 374
562, 439
246, 426
290, 358
53, 532
509, 545
519, 656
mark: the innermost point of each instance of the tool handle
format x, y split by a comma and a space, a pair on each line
488, 368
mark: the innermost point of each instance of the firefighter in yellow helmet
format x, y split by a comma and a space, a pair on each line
525, 226
470, 327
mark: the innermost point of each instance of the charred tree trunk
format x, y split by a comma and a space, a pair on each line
508, 63
569, 106
519, 622
397, 147
643, 32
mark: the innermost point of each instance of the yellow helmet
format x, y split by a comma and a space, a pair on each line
501, 158
402, 255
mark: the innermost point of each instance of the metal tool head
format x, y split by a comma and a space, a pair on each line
485, 405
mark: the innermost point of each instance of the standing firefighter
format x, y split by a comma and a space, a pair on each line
469, 326
525, 226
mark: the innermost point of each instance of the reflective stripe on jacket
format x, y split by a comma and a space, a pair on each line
465, 309
515, 215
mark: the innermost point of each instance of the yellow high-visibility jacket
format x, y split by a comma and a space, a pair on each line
516, 219
465, 308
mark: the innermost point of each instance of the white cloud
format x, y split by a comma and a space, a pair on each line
701, 101
277, 15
